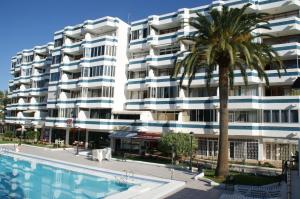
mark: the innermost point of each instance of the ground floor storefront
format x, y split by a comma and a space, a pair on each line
240, 148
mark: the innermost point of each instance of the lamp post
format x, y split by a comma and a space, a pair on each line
191, 150
77, 148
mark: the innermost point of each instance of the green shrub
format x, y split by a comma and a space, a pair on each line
9, 135
180, 142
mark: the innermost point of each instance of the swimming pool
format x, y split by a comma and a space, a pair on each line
23, 179
34, 177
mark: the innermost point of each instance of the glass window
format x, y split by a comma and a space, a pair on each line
284, 116
267, 116
294, 116
275, 116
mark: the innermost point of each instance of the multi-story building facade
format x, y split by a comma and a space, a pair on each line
102, 80
28, 89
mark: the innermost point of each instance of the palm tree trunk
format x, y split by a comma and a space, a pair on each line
222, 164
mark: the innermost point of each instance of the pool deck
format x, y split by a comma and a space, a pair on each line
193, 188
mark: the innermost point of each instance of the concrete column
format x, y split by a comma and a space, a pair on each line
67, 136
260, 150
86, 139
50, 135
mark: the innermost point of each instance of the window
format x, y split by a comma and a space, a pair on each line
145, 32
135, 34
169, 50
102, 70
137, 94
203, 115
56, 59
163, 92
294, 116
100, 113
103, 91
137, 74
58, 42
165, 115
54, 76
267, 116
243, 116
275, 116
244, 91
103, 50
169, 30
284, 116
68, 112
202, 92
27, 59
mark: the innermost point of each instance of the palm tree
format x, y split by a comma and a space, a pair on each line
228, 39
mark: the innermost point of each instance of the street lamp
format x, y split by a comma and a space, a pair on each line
77, 148
191, 150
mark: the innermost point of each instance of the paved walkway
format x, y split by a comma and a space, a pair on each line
295, 185
193, 189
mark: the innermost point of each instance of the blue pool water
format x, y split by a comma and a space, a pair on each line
21, 179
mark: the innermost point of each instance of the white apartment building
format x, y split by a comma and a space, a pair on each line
106, 76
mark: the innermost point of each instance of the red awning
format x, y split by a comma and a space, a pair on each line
147, 136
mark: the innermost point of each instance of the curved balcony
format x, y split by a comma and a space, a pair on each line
71, 66
38, 91
68, 84
101, 25
73, 31
41, 63
73, 49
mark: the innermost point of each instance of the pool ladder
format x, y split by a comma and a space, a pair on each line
125, 178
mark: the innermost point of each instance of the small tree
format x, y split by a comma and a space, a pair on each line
180, 142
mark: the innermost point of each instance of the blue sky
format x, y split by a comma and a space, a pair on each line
25, 24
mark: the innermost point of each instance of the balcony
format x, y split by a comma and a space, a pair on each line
73, 31
240, 4
286, 26
137, 64
73, 48
164, 39
95, 102
38, 91
160, 81
96, 124
138, 44
136, 84
287, 49
282, 5
161, 60
95, 81
41, 63
69, 84
71, 66
101, 25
